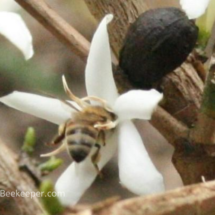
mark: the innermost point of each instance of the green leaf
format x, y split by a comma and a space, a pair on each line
203, 38
29, 141
50, 165
49, 199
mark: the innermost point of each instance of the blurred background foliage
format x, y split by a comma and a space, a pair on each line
42, 75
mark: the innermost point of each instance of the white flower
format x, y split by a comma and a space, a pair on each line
136, 170
13, 27
194, 8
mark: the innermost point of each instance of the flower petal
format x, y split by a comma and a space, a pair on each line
43, 107
137, 104
13, 27
9, 5
194, 8
136, 170
74, 181
78, 177
98, 74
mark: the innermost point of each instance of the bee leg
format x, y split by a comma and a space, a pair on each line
55, 152
95, 159
102, 137
61, 135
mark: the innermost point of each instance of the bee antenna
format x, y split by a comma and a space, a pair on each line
70, 94
70, 105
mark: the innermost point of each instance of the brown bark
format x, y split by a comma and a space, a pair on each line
192, 162
170, 127
191, 200
13, 180
125, 12
204, 131
182, 92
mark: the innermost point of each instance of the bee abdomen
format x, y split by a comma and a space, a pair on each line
79, 145
82, 129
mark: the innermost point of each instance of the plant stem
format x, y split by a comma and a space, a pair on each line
57, 26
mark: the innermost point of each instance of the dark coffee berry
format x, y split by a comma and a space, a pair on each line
156, 43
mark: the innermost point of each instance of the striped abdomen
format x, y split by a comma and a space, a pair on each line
80, 140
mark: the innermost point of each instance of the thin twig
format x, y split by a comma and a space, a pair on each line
169, 127
57, 26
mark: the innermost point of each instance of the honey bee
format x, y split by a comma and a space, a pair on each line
86, 128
